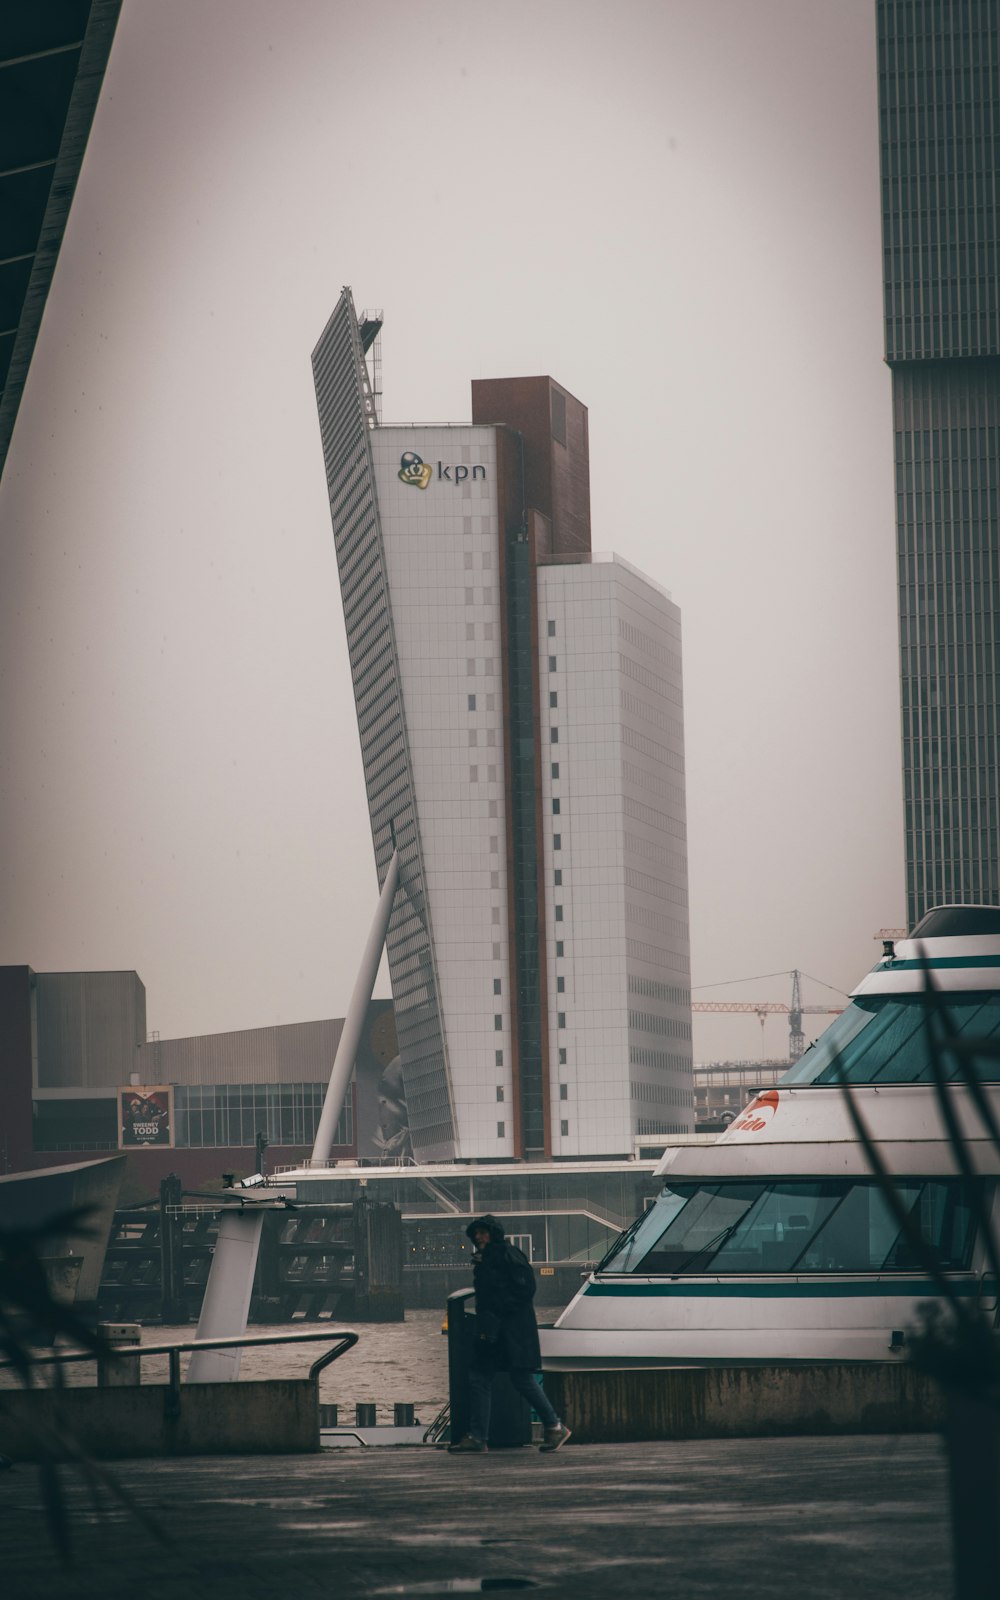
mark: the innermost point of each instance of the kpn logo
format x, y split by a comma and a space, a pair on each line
414, 471
417, 472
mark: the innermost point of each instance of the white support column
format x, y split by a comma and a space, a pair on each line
226, 1304
347, 1049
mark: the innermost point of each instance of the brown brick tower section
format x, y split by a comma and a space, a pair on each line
553, 426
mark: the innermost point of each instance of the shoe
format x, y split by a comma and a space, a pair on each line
555, 1438
469, 1446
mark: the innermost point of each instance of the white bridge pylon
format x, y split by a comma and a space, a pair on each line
226, 1305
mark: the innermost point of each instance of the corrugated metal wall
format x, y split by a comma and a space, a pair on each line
297, 1052
90, 1025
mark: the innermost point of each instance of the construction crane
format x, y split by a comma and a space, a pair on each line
763, 1008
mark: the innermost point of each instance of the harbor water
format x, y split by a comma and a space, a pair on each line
392, 1362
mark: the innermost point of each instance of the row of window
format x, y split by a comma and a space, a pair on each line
232, 1114
801, 1226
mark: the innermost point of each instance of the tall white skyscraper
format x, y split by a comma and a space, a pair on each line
520, 711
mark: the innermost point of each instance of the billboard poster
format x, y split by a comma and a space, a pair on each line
145, 1117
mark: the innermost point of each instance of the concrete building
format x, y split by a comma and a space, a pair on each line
520, 712
723, 1088
939, 110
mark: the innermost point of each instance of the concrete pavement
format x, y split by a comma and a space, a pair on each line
824, 1518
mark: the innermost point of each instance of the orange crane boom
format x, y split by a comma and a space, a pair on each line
761, 1008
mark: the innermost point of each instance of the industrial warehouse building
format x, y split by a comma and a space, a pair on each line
79, 1078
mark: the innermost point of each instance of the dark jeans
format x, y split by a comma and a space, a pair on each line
481, 1374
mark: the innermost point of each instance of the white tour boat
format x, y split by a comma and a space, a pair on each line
776, 1243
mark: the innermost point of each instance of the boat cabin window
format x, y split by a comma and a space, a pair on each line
796, 1225
885, 1038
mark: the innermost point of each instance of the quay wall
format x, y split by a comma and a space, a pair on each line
277, 1416
634, 1404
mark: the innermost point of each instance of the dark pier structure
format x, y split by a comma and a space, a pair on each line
332, 1259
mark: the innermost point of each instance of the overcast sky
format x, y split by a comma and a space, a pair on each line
671, 206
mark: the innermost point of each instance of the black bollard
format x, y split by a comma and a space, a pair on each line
402, 1415
364, 1416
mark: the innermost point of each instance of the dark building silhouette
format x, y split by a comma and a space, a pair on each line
939, 113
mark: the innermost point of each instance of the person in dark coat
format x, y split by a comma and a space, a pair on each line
506, 1336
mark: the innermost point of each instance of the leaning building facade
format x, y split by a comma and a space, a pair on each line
519, 705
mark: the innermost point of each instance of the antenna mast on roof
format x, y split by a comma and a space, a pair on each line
369, 327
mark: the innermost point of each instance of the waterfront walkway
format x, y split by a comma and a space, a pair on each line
823, 1518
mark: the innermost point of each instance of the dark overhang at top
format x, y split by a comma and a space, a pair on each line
53, 54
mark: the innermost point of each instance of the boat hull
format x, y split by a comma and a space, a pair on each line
616, 1323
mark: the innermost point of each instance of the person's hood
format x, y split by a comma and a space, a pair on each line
492, 1226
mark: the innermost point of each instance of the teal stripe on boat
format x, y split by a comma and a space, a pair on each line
939, 961
800, 1290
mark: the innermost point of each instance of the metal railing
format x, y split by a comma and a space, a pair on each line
345, 1339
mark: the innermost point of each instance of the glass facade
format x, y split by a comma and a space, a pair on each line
523, 789
566, 1215
223, 1114
939, 108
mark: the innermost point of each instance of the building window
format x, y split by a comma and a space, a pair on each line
473, 736
500, 1130
552, 629
559, 913
473, 774
553, 735
557, 841
564, 1091
230, 1114
562, 1056
472, 702
564, 1127
557, 875
496, 986
560, 1019
553, 698
498, 1024
552, 664
499, 1091
555, 769
560, 948
499, 1058
560, 986
556, 807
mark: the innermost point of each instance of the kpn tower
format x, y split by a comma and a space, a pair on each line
520, 713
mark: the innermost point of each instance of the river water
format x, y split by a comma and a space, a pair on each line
391, 1362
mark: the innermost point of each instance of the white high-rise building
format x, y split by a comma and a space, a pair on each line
520, 712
